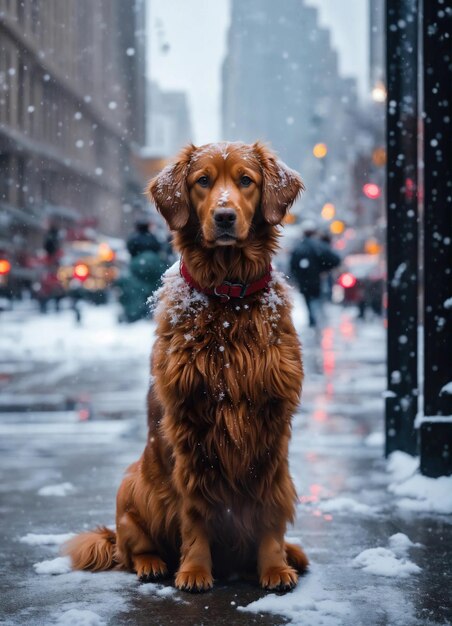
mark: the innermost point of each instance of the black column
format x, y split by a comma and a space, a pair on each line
438, 206
436, 431
402, 215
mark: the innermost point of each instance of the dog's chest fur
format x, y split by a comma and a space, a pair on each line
222, 370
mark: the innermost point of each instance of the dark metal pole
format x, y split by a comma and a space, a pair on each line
402, 228
436, 431
438, 206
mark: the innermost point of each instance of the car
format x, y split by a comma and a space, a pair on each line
88, 269
361, 283
18, 273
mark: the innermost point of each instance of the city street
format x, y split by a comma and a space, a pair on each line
231, 139
72, 417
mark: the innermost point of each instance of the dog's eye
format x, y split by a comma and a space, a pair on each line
203, 181
245, 181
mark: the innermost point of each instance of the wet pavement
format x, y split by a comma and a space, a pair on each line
72, 413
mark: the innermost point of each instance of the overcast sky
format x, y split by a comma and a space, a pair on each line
195, 34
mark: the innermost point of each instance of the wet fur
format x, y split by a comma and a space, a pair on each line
212, 493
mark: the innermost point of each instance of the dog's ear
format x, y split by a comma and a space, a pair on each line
169, 190
280, 187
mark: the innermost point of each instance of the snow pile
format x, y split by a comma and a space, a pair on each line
309, 603
79, 617
400, 544
63, 489
345, 505
56, 336
375, 439
447, 389
33, 539
401, 465
384, 562
60, 565
390, 562
425, 494
417, 492
155, 589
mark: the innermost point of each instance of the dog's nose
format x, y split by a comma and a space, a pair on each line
225, 217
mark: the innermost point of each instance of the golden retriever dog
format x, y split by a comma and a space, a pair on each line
212, 494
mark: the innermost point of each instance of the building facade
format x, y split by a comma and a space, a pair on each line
72, 112
169, 124
281, 84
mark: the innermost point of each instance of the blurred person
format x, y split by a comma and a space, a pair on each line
142, 240
149, 260
52, 243
49, 286
310, 259
326, 279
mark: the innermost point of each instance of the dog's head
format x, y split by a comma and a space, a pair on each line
222, 189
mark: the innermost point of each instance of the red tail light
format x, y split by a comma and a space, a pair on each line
372, 191
81, 271
347, 280
5, 267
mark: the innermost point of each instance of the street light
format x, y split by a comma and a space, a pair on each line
320, 150
328, 211
379, 157
337, 227
5, 267
379, 92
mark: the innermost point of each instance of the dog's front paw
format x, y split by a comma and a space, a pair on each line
279, 578
149, 567
194, 579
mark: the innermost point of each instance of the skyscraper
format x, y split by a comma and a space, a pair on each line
72, 108
281, 84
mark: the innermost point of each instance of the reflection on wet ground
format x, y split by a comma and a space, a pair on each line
336, 461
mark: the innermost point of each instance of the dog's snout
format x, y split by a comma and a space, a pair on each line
225, 217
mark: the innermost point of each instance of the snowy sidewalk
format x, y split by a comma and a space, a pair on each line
378, 534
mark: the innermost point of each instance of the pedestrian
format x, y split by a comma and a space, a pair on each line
52, 243
148, 262
142, 240
50, 286
309, 260
326, 278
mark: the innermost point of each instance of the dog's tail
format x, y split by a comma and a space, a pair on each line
93, 550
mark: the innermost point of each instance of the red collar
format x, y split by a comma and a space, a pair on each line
227, 290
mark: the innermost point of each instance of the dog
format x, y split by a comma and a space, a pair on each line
212, 493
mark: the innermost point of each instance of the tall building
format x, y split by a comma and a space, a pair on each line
376, 43
72, 112
281, 84
169, 124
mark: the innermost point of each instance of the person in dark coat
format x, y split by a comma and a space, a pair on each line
149, 261
309, 260
142, 240
52, 242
